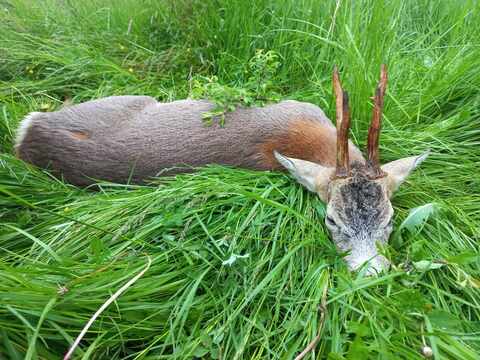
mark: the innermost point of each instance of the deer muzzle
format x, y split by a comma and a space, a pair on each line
367, 257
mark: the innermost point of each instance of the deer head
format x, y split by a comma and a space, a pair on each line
359, 213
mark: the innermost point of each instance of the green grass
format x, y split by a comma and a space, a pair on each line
266, 305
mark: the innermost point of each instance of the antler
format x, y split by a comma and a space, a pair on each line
343, 124
373, 160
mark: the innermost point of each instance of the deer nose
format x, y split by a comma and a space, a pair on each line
373, 266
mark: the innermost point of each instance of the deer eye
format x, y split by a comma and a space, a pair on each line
330, 222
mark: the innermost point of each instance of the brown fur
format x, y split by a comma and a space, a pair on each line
305, 139
134, 138
79, 135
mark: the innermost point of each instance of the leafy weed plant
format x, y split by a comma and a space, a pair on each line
258, 89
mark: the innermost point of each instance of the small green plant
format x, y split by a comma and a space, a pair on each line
258, 89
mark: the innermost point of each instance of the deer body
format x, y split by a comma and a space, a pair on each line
134, 138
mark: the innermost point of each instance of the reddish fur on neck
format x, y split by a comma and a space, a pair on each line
307, 140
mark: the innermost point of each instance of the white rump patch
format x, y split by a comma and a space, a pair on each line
22, 130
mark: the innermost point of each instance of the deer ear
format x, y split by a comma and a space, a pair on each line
313, 176
398, 170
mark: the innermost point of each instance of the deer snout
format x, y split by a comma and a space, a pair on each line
374, 265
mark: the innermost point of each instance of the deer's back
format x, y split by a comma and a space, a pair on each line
135, 137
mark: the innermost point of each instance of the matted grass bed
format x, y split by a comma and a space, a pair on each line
241, 260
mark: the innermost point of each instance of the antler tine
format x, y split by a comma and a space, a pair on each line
373, 160
343, 124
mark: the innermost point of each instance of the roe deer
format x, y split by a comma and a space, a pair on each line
133, 138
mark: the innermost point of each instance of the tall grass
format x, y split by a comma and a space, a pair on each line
64, 250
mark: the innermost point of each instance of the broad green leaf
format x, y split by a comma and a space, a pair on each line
418, 216
441, 319
200, 351
358, 349
425, 265
359, 329
464, 258
414, 221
